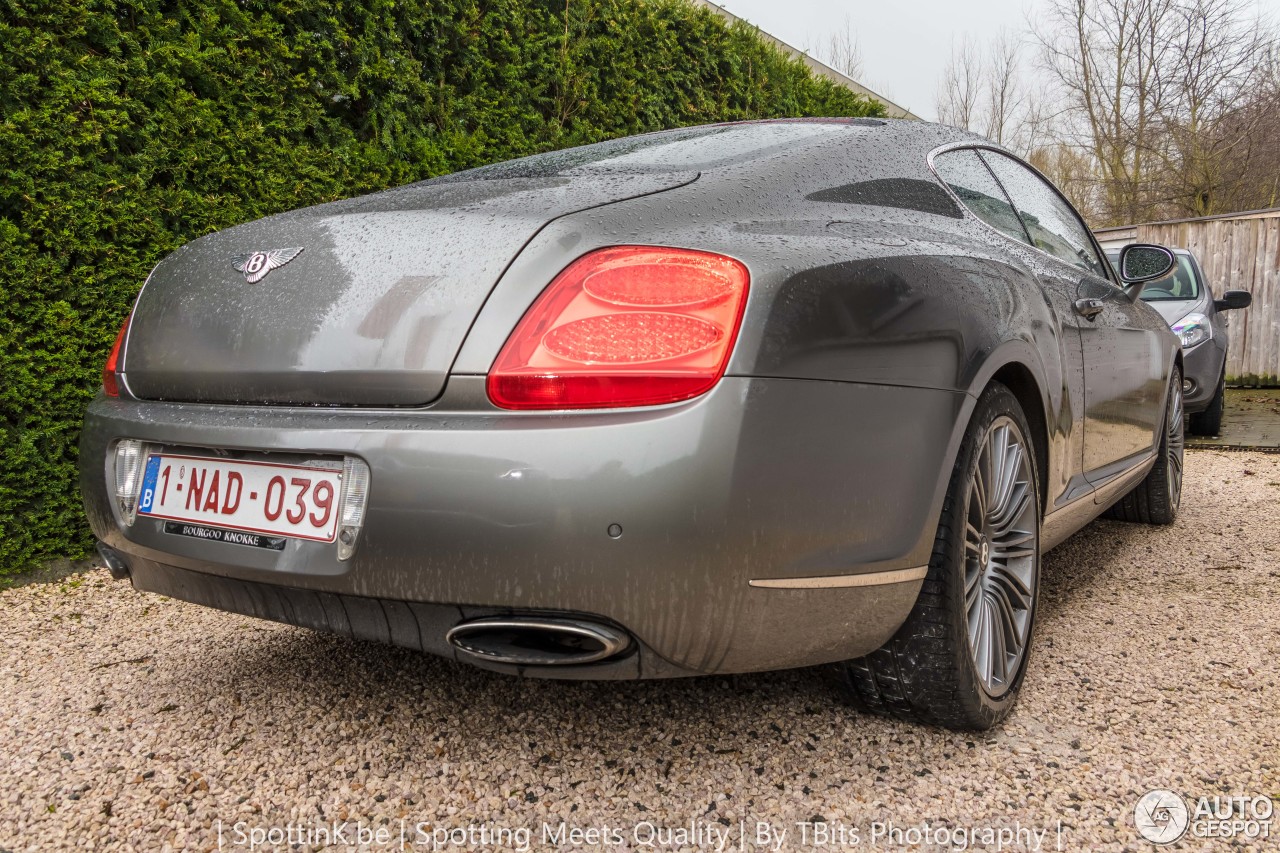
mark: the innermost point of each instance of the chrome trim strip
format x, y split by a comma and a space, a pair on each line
1066, 520
838, 581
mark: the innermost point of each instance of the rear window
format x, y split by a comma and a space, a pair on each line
1181, 284
690, 150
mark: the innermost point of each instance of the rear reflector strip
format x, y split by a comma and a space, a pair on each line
130, 455
111, 370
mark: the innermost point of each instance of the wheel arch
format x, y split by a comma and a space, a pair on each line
1016, 365
1019, 379
1182, 375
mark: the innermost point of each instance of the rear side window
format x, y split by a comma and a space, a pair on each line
1054, 226
970, 180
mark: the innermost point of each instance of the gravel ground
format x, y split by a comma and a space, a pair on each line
136, 722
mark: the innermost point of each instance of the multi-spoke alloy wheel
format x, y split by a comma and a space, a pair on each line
960, 657
1175, 443
1155, 500
1000, 544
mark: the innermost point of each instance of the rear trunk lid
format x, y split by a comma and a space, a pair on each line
371, 312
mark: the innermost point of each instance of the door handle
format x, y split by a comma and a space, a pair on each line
1089, 308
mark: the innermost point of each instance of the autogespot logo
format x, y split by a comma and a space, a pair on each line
1161, 816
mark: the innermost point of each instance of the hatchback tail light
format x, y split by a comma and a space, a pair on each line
624, 326
110, 371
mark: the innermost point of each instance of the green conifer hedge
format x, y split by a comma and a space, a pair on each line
132, 126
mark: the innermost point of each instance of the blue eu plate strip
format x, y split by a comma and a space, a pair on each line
149, 484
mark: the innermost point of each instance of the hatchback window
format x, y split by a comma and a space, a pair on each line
1054, 226
970, 180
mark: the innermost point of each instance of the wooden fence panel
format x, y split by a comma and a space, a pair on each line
1238, 254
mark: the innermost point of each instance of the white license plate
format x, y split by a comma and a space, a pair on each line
298, 501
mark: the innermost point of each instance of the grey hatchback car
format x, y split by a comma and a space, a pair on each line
1185, 300
713, 400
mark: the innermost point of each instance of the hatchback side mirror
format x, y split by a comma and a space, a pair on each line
1233, 299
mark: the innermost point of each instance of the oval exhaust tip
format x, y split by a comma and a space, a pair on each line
536, 641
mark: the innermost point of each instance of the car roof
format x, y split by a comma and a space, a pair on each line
880, 145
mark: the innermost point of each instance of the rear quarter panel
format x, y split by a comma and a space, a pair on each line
841, 292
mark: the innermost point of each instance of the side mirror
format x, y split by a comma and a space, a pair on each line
1233, 299
1143, 262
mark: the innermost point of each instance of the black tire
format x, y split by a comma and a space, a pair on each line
1155, 500
1209, 422
928, 672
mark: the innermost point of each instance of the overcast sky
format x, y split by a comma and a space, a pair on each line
905, 43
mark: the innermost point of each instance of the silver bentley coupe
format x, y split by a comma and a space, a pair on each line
714, 400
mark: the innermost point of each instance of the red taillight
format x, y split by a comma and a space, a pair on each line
110, 375
626, 326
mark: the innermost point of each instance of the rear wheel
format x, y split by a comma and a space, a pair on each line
1209, 422
1155, 500
959, 659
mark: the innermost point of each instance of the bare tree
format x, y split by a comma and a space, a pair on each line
1220, 60
960, 90
841, 50
984, 89
1004, 89
1104, 54
1073, 172
1167, 98
1253, 182
1246, 172
1037, 123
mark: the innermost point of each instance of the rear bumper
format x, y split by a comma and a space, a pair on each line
475, 512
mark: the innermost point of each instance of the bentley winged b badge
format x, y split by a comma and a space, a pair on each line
256, 265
